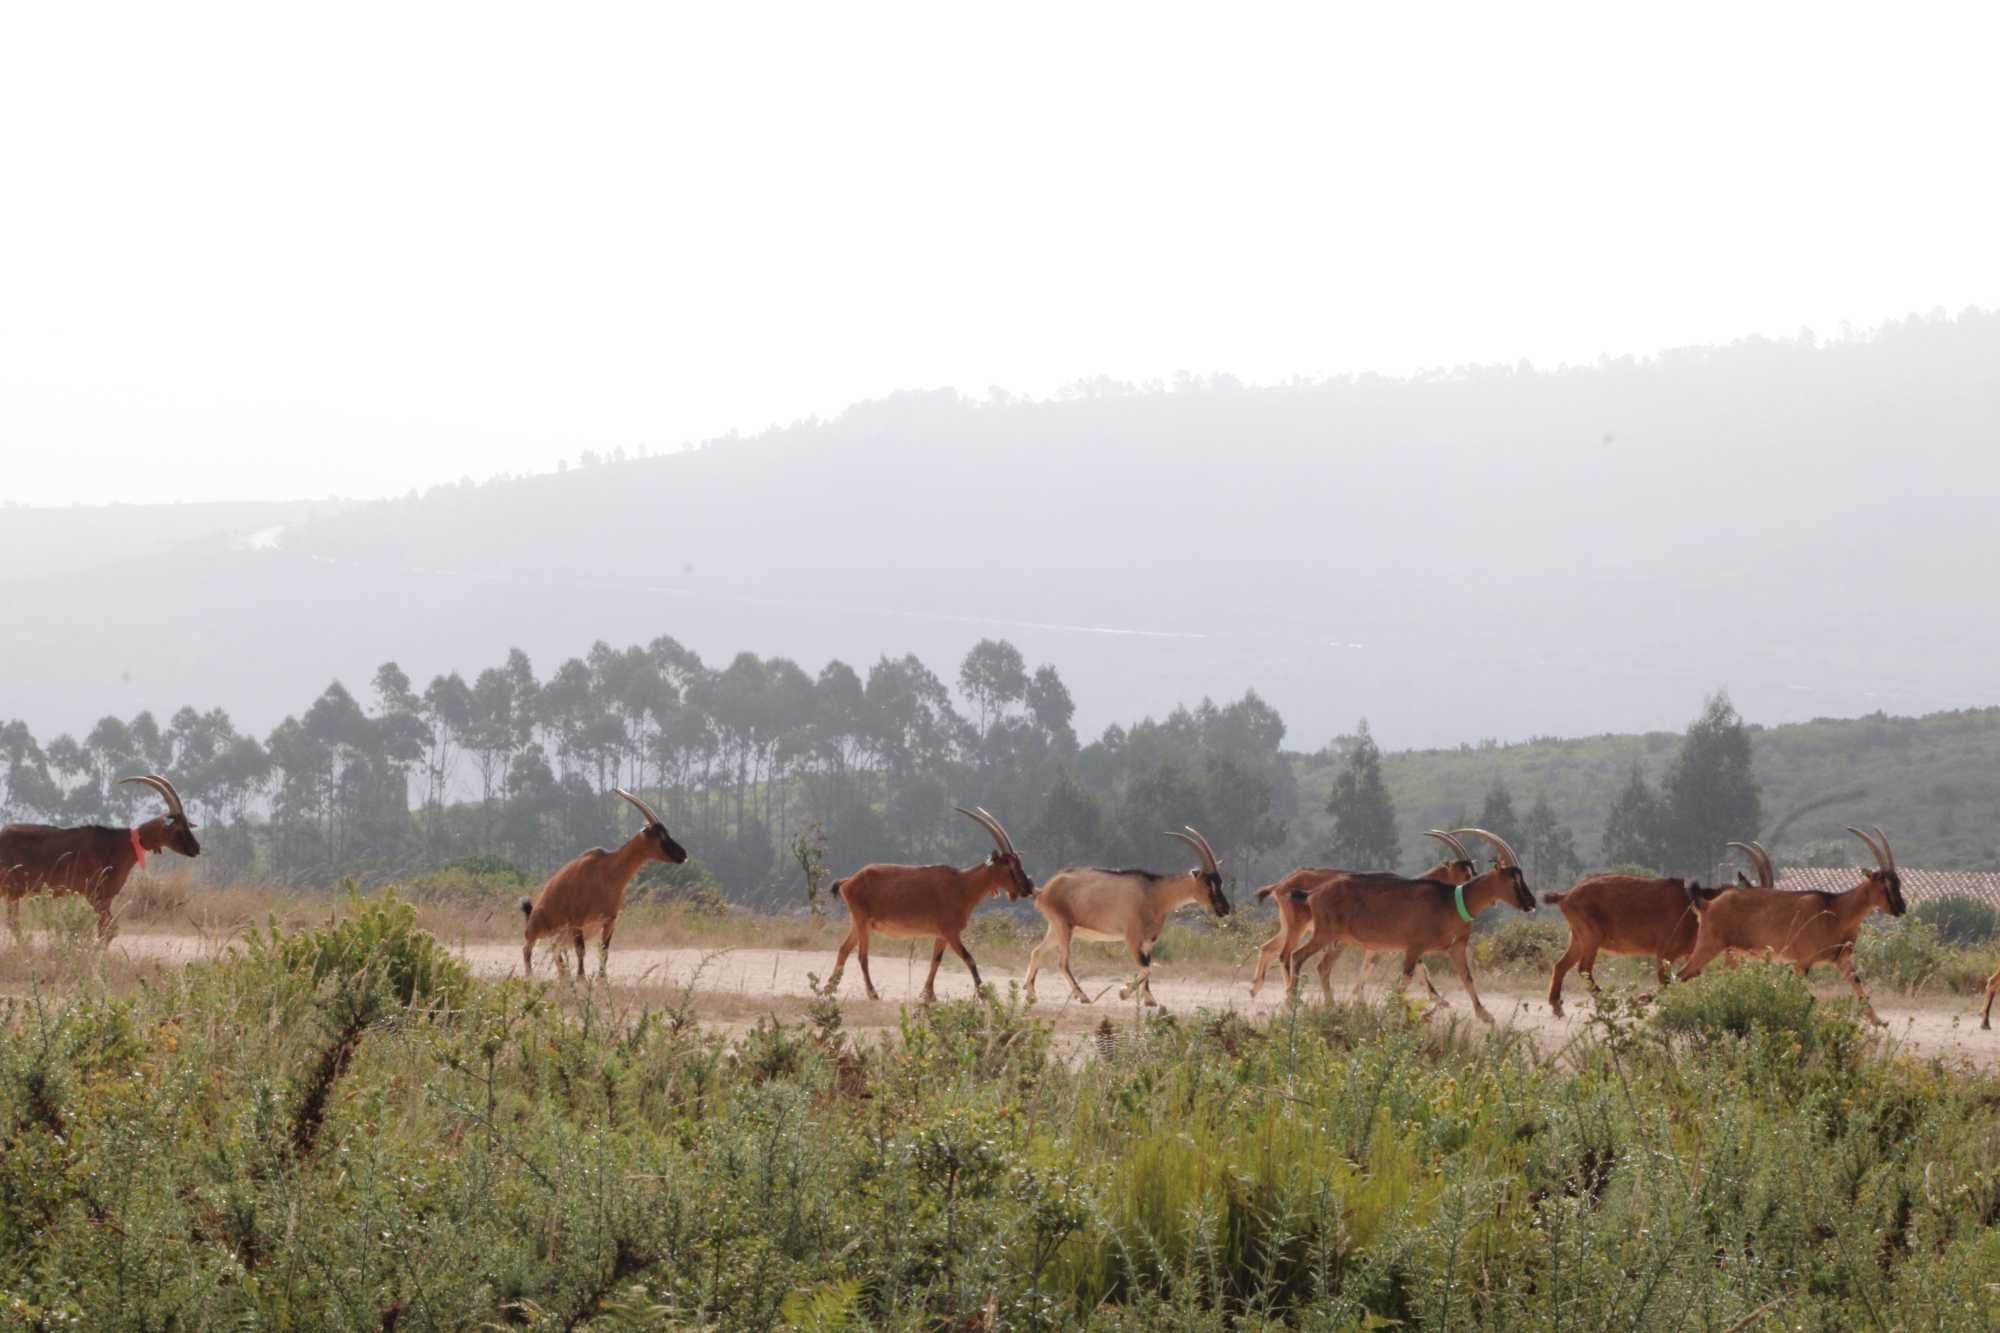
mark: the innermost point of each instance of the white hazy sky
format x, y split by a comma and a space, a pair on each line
268, 250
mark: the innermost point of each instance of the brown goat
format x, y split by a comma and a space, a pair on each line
914, 902
1801, 928
1634, 914
92, 862
1295, 916
1417, 916
1131, 906
589, 891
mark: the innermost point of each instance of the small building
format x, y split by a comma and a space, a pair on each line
1919, 886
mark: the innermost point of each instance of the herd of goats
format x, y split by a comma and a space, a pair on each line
1321, 911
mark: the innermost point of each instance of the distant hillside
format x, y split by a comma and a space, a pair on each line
1932, 782
1491, 552
40, 545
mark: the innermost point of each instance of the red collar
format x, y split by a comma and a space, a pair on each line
138, 850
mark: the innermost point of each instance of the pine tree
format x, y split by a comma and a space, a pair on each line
1710, 793
1364, 818
1634, 831
1497, 814
1548, 846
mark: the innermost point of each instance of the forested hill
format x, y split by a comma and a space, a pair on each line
1487, 552
1933, 782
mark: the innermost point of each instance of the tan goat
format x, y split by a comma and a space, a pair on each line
1803, 928
1131, 906
914, 902
590, 891
1295, 916
1416, 916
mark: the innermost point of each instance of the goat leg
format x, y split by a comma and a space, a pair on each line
1845, 962
930, 980
1464, 970
965, 956
1075, 989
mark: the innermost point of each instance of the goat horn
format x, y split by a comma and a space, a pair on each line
1764, 865
165, 789
1214, 861
1192, 837
1887, 851
1880, 859
1757, 862
1457, 847
644, 809
1005, 841
979, 816
1500, 847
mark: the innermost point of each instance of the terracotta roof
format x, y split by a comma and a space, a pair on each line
1918, 885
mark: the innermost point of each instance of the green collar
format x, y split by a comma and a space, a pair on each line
1458, 896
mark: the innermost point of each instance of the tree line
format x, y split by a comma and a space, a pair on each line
743, 760
1708, 796
756, 762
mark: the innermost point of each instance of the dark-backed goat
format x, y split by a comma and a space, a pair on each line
1416, 916
1295, 916
589, 891
1131, 906
92, 862
1634, 914
1803, 928
917, 902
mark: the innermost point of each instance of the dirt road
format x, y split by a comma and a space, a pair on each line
732, 986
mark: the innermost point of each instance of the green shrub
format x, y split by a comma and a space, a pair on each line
1959, 920
489, 864
690, 884
472, 881
379, 943
1758, 997
1904, 954
1532, 941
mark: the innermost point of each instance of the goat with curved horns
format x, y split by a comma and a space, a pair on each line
912, 902
1634, 914
1128, 905
1294, 916
1801, 928
1417, 916
92, 862
589, 891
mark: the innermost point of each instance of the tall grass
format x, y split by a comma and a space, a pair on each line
336, 1128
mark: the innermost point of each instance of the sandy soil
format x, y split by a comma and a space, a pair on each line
731, 986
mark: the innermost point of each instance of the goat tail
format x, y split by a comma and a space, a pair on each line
1696, 898
527, 907
1555, 899
835, 887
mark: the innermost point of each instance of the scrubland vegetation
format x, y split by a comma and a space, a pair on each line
338, 1127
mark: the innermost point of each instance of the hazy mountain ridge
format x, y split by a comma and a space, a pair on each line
1490, 552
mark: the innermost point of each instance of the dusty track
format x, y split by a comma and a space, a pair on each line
732, 985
